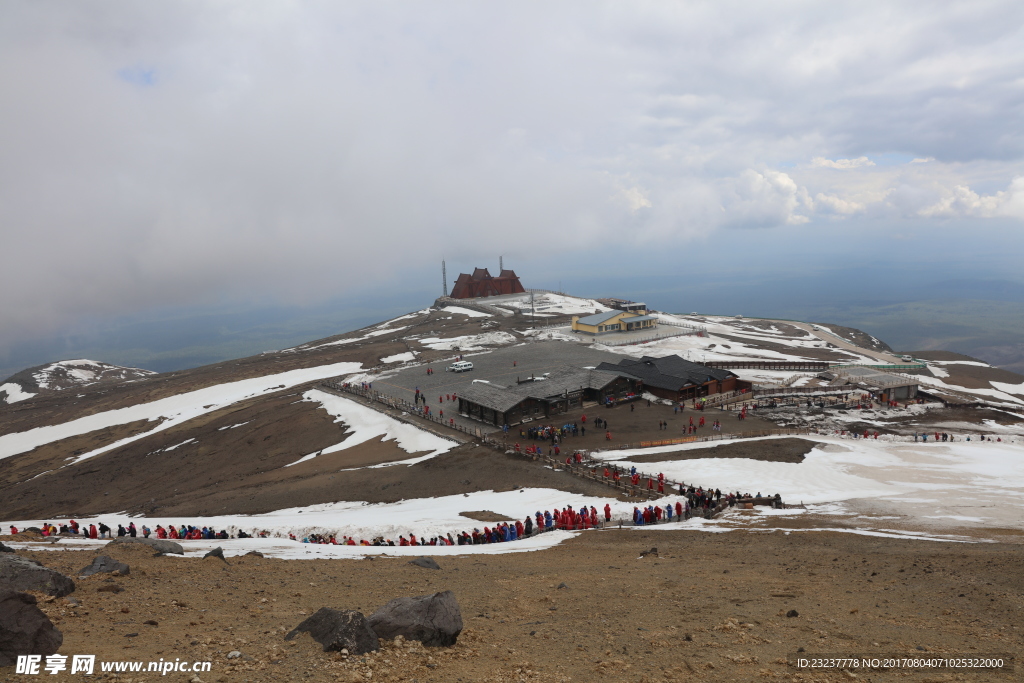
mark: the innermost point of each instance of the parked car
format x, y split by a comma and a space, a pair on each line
460, 366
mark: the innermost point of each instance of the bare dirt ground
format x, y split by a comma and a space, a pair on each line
243, 471
706, 607
773, 450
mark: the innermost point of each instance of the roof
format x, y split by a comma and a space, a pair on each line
492, 396
669, 372
555, 385
638, 318
598, 318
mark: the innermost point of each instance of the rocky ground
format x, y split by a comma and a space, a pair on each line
704, 607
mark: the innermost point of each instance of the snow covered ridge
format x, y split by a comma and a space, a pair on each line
66, 374
173, 410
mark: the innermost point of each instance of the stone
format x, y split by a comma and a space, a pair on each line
104, 565
216, 552
22, 574
234, 654
434, 620
792, 613
425, 562
24, 629
159, 544
255, 553
339, 629
6, 548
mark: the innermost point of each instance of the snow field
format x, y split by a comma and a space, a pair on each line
173, 410
365, 423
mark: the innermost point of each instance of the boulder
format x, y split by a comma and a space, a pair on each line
104, 565
5, 548
339, 629
425, 562
158, 544
216, 552
24, 629
19, 573
434, 620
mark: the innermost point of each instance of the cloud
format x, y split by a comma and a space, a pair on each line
161, 154
842, 164
961, 201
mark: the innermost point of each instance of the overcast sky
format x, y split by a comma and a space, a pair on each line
190, 153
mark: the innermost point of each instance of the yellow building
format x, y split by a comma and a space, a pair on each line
613, 321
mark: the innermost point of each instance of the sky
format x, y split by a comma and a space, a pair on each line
183, 165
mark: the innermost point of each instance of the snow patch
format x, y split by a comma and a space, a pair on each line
472, 342
366, 423
466, 311
14, 393
406, 357
173, 410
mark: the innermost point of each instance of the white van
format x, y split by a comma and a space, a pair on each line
460, 366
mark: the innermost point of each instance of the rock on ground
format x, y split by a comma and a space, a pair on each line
339, 629
104, 565
431, 619
22, 574
157, 544
425, 562
24, 629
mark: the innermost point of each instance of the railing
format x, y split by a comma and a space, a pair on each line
806, 366
881, 366
677, 323
405, 406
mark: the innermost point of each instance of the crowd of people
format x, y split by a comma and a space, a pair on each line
693, 500
100, 530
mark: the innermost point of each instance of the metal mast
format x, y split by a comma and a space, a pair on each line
501, 264
444, 278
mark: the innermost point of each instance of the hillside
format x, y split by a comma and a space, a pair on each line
237, 429
66, 374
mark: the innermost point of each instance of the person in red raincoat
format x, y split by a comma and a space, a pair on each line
679, 510
520, 529
661, 486
607, 512
92, 531
650, 484
174, 533
607, 473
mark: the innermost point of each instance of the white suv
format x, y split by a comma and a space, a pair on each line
460, 366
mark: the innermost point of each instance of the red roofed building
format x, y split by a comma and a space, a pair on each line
481, 284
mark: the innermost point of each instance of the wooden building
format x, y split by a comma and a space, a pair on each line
481, 283
545, 397
676, 378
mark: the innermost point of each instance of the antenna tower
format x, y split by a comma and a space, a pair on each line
501, 263
444, 278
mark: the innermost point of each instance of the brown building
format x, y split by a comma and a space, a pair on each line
481, 284
676, 378
543, 397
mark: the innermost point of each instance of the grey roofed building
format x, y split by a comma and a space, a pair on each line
598, 318
544, 396
675, 377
